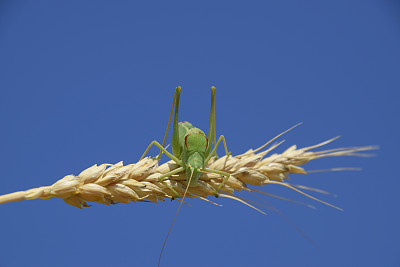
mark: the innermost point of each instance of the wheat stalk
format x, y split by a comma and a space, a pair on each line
116, 183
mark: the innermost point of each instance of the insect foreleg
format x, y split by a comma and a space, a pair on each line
161, 180
221, 138
163, 150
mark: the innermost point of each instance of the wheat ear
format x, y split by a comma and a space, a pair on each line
116, 183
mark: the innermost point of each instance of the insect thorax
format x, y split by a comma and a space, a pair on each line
194, 144
195, 140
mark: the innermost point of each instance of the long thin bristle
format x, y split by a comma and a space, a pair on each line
307, 195
283, 216
281, 198
241, 201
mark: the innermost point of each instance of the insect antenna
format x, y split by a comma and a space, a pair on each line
170, 228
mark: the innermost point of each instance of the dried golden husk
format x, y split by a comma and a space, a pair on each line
116, 183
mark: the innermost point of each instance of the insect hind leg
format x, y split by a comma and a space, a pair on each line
174, 100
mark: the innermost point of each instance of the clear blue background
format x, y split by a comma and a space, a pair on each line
86, 82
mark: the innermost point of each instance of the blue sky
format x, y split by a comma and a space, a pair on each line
86, 82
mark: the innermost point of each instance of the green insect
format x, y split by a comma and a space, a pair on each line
191, 148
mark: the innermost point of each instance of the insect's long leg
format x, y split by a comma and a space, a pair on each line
169, 120
176, 147
215, 129
212, 122
221, 138
161, 180
227, 175
215, 136
163, 150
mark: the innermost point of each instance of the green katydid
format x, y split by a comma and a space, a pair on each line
191, 150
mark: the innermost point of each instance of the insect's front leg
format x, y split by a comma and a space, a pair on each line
161, 180
157, 144
221, 138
